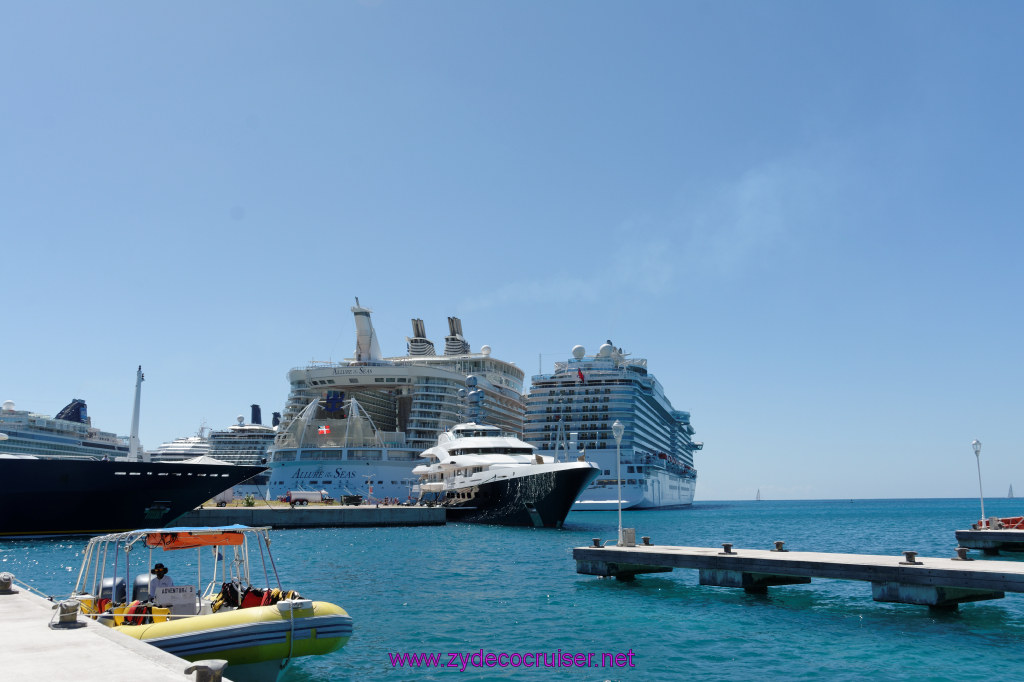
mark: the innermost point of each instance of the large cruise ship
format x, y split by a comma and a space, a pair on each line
241, 443
62, 476
69, 435
582, 400
358, 427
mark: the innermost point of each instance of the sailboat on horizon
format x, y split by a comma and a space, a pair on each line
758, 498
1010, 494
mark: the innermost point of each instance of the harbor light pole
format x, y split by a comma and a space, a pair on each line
977, 455
617, 430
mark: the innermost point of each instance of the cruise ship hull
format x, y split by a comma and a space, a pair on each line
657, 492
654, 488
45, 497
373, 479
537, 500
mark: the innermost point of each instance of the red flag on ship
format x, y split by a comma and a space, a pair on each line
325, 429
579, 373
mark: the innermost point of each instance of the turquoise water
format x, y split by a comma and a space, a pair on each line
462, 588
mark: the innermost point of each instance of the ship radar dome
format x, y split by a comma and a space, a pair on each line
606, 350
471, 381
578, 352
8, 406
241, 420
485, 350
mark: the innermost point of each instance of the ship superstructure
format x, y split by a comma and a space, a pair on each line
244, 443
582, 400
69, 435
359, 426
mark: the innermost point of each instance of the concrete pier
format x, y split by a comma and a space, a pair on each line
87, 653
314, 516
991, 541
906, 579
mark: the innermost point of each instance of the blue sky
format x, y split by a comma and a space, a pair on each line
803, 214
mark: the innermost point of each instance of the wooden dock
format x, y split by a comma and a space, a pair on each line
905, 579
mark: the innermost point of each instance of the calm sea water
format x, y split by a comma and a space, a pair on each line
463, 588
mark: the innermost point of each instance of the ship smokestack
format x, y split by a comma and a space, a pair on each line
419, 344
256, 417
455, 343
276, 419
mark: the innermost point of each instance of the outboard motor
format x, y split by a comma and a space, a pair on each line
119, 590
140, 587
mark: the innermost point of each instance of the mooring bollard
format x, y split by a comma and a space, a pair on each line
961, 554
778, 546
727, 548
6, 583
646, 539
209, 670
67, 615
597, 542
911, 559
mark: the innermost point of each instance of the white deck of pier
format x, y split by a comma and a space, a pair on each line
931, 581
32, 651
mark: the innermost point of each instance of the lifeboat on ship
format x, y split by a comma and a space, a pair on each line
258, 630
996, 523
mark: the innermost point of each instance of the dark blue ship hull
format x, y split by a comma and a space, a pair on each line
44, 497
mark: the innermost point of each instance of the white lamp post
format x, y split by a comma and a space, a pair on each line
977, 455
617, 429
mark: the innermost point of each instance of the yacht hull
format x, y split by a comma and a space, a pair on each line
45, 497
539, 499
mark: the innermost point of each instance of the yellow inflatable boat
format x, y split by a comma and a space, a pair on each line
258, 631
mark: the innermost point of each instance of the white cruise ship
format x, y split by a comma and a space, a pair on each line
244, 443
584, 397
241, 443
358, 427
181, 449
69, 435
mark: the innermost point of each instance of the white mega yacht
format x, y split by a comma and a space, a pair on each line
481, 475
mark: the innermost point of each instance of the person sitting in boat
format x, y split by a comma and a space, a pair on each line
161, 579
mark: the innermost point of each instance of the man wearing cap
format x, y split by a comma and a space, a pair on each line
161, 579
